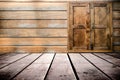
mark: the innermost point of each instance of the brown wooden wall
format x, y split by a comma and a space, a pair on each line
36, 25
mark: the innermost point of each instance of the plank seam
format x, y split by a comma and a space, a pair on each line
105, 60
74, 70
111, 56
14, 61
49, 67
96, 67
25, 67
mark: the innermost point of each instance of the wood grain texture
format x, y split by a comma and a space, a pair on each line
117, 48
104, 66
116, 23
32, 49
18, 24
116, 32
33, 33
61, 69
33, 15
33, 41
116, 39
10, 71
38, 69
116, 15
116, 6
85, 70
32, 6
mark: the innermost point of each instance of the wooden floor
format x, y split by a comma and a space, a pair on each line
60, 66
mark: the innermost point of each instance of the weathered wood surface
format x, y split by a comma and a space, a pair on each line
85, 70
61, 69
116, 15
116, 23
115, 55
116, 32
108, 58
33, 6
38, 49
6, 60
117, 48
108, 68
116, 6
33, 15
10, 71
18, 24
38, 69
33, 33
33, 41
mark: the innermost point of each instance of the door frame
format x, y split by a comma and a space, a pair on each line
69, 43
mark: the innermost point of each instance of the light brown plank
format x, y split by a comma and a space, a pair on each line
116, 6
116, 14
33, 41
111, 59
38, 69
4, 61
32, 49
33, 15
117, 48
116, 32
116, 23
10, 71
85, 70
61, 69
33, 32
32, 6
105, 66
18, 24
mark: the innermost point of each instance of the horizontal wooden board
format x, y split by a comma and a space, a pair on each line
117, 48
116, 6
33, 32
37, 0
33, 15
17, 24
116, 32
31, 49
116, 14
33, 41
32, 6
116, 23
116, 39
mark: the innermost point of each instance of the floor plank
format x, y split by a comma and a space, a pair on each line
108, 69
108, 58
12, 70
61, 69
10, 58
116, 55
85, 70
38, 69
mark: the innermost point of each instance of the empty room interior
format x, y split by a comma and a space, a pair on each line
59, 40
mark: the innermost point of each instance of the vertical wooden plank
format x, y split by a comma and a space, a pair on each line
61, 69
38, 69
10, 58
12, 70
106, 67
85, 70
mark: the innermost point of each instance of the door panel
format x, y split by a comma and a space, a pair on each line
89, 27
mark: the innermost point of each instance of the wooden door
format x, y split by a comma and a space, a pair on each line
89, 27
101, 26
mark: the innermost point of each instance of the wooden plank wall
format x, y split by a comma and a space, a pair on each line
37, 25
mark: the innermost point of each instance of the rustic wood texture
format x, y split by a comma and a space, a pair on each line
10, 71
33, 33
11, 58
33, 15
61, 69
33, 41
33, 6
116, 32
105, 66
116, 24
116, 6
6, 49
116, 15
38, 69
32, 24
85, 70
